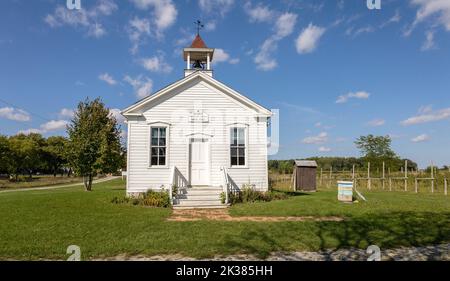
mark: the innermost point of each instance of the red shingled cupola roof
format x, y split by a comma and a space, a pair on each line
198, 43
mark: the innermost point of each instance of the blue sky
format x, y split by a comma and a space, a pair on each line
335, 69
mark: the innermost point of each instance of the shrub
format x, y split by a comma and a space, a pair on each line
149, 199
248, 194
156, 199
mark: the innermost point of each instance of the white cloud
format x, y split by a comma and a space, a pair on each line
319, 139
164, 13
376, 122
324, 149
137, 29
142, 86
53, 125
263, 59
429, 43
421, 138
96, 30
284, 26
156, 64
14, 114
66, 113
429, 8
105, 77
258, 13
351, 31
308, 39
89, 19
427, 116
215, 6
210, 25
351, 95
221, 55
115, 112
394, 19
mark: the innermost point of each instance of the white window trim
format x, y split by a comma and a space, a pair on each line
158, 125
246, 128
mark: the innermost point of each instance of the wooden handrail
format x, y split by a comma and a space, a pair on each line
226, 184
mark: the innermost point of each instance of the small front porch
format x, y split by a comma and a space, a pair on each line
185, 196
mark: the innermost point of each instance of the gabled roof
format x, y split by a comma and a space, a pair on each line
198, 43
246, 102
305, 163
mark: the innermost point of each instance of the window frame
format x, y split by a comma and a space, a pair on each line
230, 134
158, 126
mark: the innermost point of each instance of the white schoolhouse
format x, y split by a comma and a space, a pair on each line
198, 135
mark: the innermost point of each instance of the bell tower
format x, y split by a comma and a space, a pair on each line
198, 56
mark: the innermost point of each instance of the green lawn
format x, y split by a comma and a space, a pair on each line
42, 224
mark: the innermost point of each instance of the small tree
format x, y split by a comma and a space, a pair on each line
94, 141
376, 149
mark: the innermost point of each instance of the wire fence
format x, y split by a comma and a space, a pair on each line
418, 181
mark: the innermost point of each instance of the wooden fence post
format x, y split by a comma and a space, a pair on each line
406, 175
445, 186
368, 177
416, 184
432, 177
329, 180
321, 175
383, 175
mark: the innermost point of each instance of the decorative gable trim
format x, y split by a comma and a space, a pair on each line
259, 110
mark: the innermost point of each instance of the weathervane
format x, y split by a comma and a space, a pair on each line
200, 25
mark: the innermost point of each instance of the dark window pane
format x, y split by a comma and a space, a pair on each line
155, 161
154, 141
233, 152
162, 142
241, 152
233, 161
162, 160
154, 132
241, 161
162, 152
154, 151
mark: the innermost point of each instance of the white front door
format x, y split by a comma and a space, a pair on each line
199, 161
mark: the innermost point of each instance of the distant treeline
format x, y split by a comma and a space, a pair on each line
342, 163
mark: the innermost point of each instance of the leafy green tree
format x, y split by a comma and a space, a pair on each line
55, 152
4, 154
25, 154
377, 149
94, 141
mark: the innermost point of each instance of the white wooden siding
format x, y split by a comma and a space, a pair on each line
175, 110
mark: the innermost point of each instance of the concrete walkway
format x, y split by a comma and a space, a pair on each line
57, 186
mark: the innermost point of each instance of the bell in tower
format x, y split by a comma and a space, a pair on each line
198, 56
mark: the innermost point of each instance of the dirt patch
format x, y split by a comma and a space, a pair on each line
224, 215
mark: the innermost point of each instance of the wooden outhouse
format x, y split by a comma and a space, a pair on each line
305, 175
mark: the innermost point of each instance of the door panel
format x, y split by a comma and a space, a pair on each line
199, 161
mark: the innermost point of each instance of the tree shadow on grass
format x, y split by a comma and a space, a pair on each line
407, 229
392, 230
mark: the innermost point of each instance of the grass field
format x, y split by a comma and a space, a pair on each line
38, 181
42, 224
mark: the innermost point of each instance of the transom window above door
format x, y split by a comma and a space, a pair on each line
158, 150
238, 147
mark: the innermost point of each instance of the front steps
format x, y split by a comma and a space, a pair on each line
201, 197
